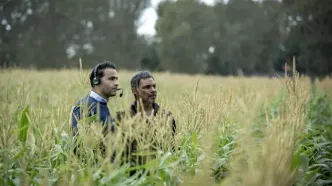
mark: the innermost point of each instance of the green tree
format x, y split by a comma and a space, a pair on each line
53, 34
184, 28
249, 35
309, 36
150, 58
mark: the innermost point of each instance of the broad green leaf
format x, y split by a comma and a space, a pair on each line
24, 125
296, 160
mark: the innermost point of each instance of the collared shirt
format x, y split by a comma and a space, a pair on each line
95, 104
97, 97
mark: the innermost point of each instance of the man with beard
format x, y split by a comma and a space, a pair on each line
104, 84
145, 111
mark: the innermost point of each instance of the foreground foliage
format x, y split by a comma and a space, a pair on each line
231, 131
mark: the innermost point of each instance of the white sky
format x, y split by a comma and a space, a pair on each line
149, 18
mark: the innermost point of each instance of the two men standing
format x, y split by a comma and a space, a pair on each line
104, 83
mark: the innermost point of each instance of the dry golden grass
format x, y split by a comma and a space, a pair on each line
209, 106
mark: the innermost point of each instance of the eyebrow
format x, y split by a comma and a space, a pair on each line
111, 77
154, 84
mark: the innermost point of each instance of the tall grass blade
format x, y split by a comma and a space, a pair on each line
24, 125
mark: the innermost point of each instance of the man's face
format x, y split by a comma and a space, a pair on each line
146, 91
109, 83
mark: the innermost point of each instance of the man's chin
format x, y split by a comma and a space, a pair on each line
152, 100
112, 95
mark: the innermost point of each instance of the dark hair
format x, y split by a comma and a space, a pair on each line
100, 70
138, 77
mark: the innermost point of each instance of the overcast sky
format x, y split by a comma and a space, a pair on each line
149, 18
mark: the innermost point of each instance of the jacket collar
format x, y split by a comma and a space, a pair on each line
133, 108
97, 97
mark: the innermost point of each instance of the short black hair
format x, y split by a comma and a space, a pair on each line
138, 77
100, 70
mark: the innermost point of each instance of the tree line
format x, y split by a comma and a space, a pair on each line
238, 37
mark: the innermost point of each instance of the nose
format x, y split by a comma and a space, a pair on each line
153, 89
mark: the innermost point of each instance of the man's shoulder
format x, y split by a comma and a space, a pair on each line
84, 102
166, 112
169, 115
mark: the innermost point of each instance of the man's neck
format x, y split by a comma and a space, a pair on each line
148, 108
96, 91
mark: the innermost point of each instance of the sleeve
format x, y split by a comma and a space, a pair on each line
173, 133
173, 127
74, 118
169, 114
173, 123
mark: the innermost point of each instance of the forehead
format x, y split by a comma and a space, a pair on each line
148, 81
110, 72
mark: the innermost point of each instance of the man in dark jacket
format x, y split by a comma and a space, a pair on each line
104, 84
145, 111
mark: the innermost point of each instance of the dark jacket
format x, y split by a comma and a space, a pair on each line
90, 106
131, 146
156, 108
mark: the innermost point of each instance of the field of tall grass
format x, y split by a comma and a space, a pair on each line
230, 131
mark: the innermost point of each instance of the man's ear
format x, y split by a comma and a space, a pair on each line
134, 91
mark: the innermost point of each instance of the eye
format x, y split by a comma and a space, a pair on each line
113, 78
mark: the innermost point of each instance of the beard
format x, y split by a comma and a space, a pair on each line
150, 100
110, 92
